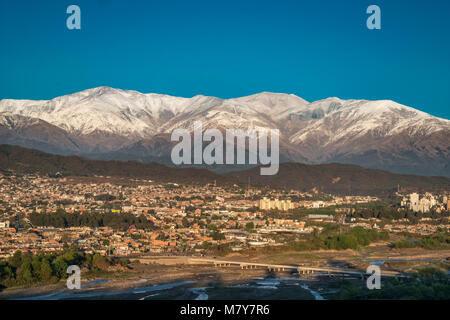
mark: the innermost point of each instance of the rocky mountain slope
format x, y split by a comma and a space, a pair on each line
107, 123
333, 178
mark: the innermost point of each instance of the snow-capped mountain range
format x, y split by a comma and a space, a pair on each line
113, 123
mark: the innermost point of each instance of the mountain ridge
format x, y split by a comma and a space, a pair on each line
343, 179
378, 134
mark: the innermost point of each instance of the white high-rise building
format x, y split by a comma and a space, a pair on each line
423, 204
283, 205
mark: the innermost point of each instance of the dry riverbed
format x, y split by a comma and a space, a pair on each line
144, 275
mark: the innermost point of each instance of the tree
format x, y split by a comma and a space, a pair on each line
25, 273
60, 268
16, 260
217, 235
36, 264
249, 226
212, 227
46, 271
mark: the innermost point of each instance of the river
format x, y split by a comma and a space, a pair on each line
268, 288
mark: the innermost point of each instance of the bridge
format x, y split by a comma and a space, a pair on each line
301, 269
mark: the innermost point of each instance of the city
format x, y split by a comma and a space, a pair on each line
178, 219
228, 151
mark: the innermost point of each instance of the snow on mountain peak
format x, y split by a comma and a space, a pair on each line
131, 113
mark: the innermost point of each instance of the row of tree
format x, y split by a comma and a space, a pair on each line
427, 284
440, 241
26, 269
328, 239
392, 212
62, 219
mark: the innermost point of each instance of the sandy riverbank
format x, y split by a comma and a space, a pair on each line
140, 276
144, 275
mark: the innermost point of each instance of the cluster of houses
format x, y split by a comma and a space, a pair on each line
183, 219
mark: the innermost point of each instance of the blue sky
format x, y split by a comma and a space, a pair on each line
314, 49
